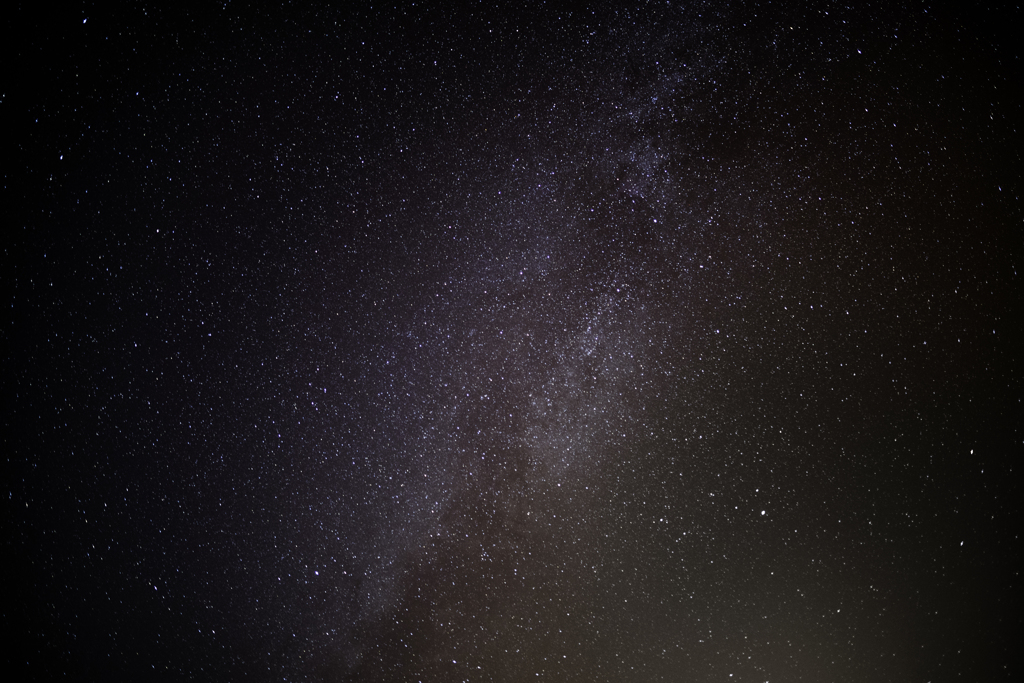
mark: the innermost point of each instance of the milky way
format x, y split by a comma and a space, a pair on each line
420, 344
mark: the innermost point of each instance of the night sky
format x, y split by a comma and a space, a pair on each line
436, 342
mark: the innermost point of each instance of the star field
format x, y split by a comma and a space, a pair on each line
436, 343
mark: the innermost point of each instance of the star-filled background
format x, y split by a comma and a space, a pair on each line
429, 342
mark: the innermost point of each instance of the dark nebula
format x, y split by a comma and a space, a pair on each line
425, 342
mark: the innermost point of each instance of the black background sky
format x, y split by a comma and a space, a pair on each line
430, 343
